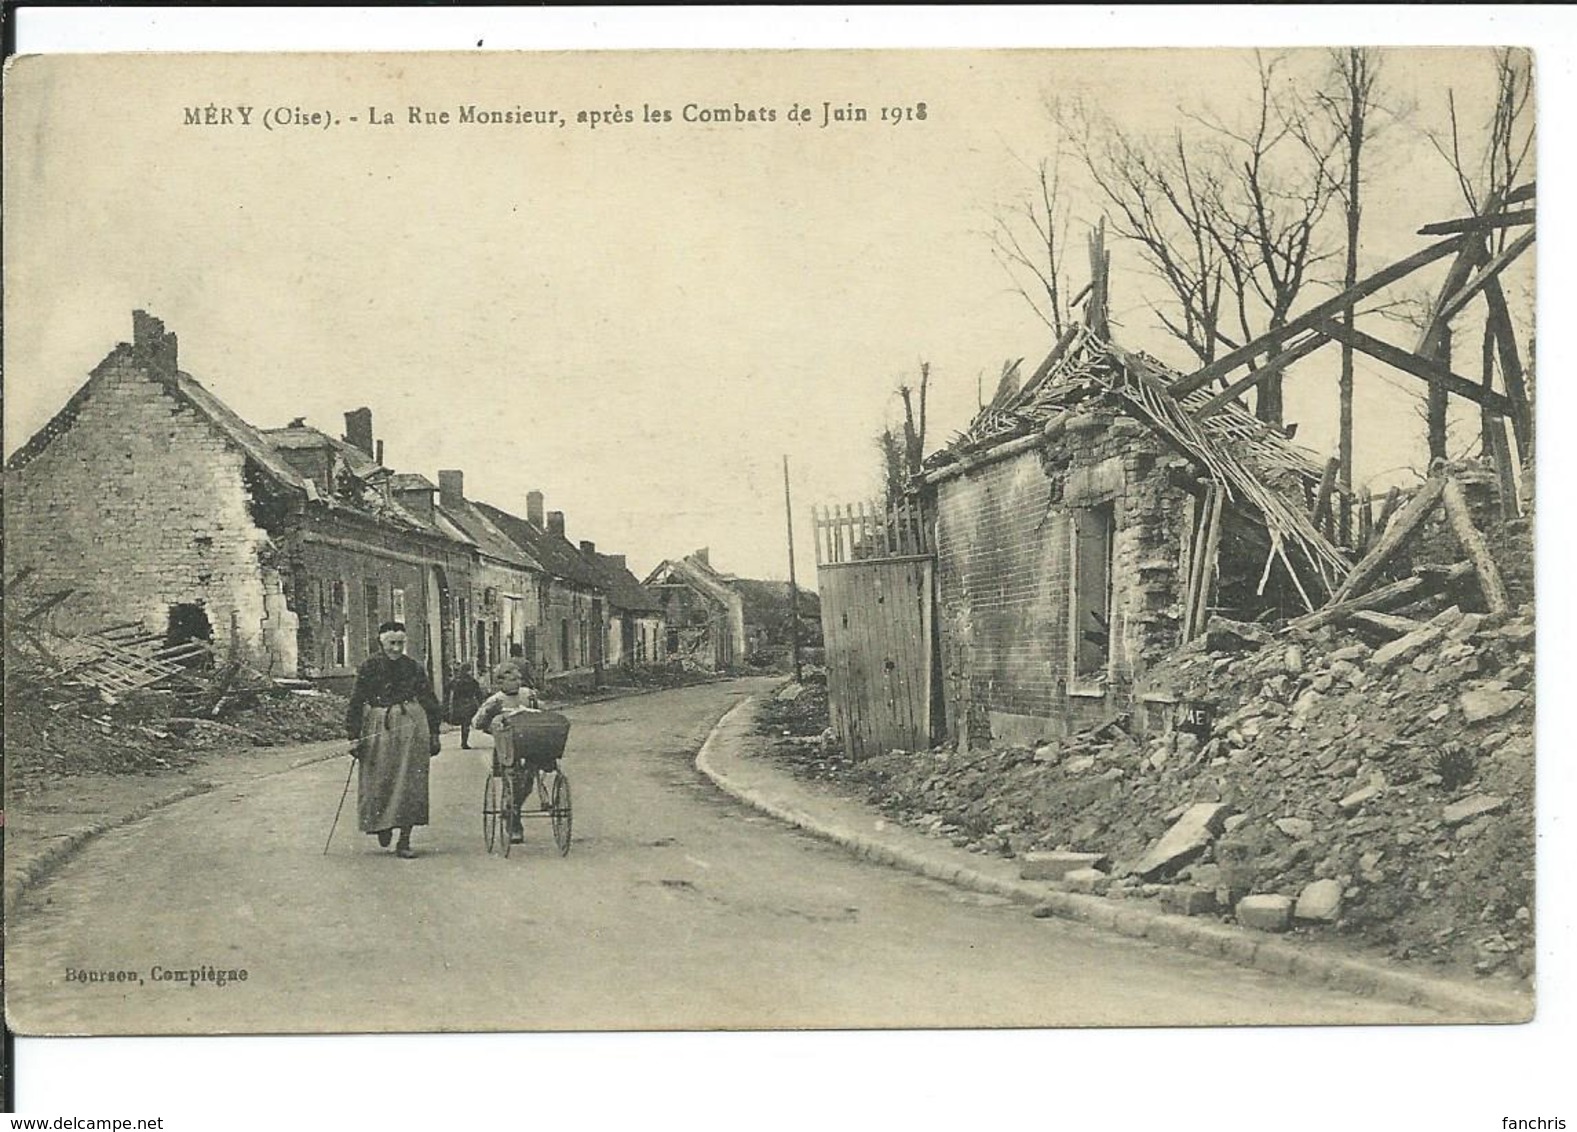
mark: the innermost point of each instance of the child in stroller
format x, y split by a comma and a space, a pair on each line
513, 695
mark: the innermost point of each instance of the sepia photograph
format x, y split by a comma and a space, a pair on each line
642, 542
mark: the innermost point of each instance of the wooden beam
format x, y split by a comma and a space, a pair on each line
1424, 580
1388, 624
1294, 352
1452, 306
1406, 522
1315, 315
1322, 500
1510, 367
1521, 193
1052, 358
1393, 500
1472, 541
1419, 367
1479, 223
1397, 593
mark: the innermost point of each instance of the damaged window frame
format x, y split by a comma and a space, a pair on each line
1086, 678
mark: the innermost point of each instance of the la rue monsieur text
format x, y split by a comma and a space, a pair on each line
822, 115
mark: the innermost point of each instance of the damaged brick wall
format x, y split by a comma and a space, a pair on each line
1007, 571
139, 504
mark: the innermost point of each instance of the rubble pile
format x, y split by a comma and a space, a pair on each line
54, 730
1353, 785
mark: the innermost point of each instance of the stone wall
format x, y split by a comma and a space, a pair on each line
1005, 552
139, 504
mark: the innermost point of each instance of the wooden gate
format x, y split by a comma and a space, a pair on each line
876, 574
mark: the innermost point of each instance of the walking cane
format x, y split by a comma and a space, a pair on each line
343, 795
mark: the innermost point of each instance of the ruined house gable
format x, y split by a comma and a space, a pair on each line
137, 498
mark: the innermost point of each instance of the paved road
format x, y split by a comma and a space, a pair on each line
676, 908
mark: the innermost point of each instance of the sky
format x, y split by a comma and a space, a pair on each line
601, 348
640, 319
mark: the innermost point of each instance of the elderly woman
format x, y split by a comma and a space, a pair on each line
393, 726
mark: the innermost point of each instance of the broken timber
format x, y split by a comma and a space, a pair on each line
1472, 541
1424, 580
1407, 520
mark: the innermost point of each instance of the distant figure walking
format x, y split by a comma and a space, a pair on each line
465, 696
392, 722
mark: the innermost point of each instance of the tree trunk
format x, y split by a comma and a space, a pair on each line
1437, 401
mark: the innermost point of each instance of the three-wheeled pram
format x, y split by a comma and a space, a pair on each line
527, 747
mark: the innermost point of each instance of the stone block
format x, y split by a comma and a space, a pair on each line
1187, 838
1480, 704
1043, 865
1267, 913
1465, 628
1089, 881
1320, 901
1299, 829
1405, 648
1469, 808
1352, 802
1188, 900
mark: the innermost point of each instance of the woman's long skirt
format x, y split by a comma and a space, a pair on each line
392, 788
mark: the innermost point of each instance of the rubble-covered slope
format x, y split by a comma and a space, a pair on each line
1402, 770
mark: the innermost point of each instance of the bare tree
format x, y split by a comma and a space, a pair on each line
1486, 180
1029, 238
1351, 112
903, 448
1229, 212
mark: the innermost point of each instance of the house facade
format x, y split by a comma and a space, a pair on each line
571, 603
500, 617
635, 637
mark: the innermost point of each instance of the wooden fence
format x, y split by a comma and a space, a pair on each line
877, 578
858, 531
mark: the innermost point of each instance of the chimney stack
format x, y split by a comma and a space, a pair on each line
451, 490
589, 549
149, 338
358, 430
534, 509
556, 523
378, 456
704, 556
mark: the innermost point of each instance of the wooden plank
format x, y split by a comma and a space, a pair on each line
1314, 316
1365, 519
1472, 540
1479, 223
1419, 367
1407, 520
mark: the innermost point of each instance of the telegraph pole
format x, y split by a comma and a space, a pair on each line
788, 511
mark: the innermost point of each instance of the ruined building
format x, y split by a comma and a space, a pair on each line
1088, 522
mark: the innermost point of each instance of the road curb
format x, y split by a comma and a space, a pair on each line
1240, 946
32, 872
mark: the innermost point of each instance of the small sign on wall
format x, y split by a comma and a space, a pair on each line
1195, 717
